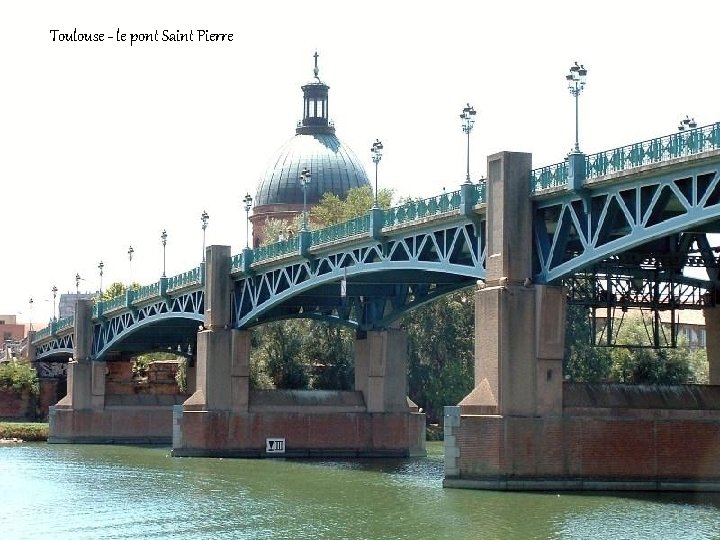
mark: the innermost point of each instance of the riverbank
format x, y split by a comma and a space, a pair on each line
23, 431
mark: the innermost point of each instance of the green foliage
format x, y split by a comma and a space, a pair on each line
302, 354
583, 361
280, 229
19, 377
114, 289
140, 363
332, 210
632, 359
441, 352
279, 351
27, 431
330, 354
181, 375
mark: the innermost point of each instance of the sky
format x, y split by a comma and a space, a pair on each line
104, 145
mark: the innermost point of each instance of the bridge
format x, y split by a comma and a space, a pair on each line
613, 229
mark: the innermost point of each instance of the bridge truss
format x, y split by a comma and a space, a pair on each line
367, 285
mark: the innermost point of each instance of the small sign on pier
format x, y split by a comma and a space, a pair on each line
275, 446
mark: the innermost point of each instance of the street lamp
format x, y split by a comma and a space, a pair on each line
468, 121
204, 218
248, 204
77, 286
130, 254
576, 83
376, 150
54, 291
163, 238
30, 315
100, 267
304, 181
687, 123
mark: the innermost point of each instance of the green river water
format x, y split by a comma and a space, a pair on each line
104, 492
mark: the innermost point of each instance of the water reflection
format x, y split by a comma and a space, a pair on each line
119, 492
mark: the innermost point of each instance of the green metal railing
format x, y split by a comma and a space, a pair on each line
191, 277
236, 263
352, 227
53, 327
665, 148
146, 291
41, 334
480, 193
278, 249
551, 176
425, 208
681, 144
111, 304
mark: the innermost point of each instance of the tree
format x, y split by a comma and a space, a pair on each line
279, 350
441, 352
632, 358
583, 362
332, 210
114, 289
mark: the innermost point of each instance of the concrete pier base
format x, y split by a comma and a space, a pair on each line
609, 437
141, 424
311, 423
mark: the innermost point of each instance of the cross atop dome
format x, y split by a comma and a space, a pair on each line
316, 70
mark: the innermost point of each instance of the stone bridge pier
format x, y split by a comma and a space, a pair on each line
225, 417
87, 415
522, 427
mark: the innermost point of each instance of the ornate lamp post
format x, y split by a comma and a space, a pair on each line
687, 123
54, 291
304, 181
376, 150
576, 83
130, 254
468, 121
77, 286
247, 201
163, 239
100, 267
30, 315
204, 218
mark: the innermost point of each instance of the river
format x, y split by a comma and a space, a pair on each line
111, 492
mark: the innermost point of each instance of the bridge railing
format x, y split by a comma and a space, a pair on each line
680, 144
665, 148
424, 208
277, 249
550, 176
352, 227
191, 277
54, 327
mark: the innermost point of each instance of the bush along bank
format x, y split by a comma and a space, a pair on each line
23, 431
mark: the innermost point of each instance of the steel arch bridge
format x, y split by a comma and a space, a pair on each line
629, 220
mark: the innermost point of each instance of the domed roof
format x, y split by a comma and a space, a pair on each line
334, 168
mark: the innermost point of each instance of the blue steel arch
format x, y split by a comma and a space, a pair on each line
108, 332
385, 278
576, 229
59, 348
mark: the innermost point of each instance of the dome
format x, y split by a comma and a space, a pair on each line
334, 168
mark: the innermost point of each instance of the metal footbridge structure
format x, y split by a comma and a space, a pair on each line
619, 228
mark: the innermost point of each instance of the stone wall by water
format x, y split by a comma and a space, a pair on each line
17, 406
